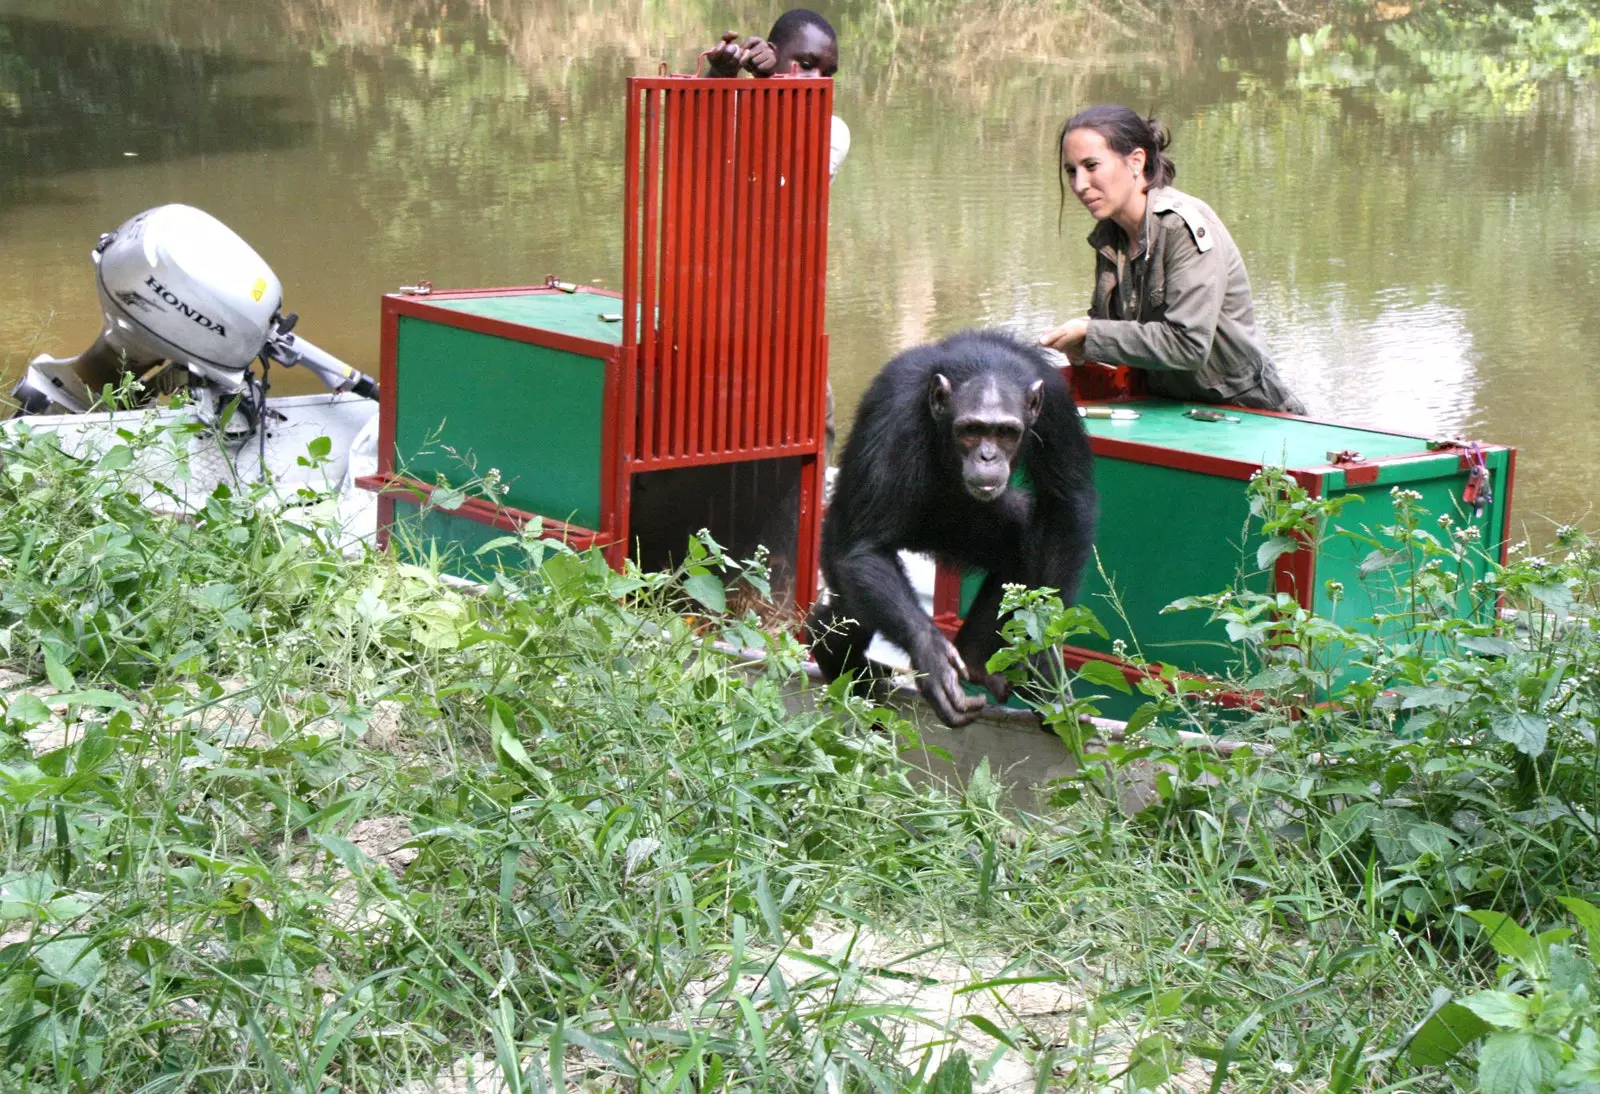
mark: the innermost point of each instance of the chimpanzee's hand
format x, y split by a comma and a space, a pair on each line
940, 683
729, 55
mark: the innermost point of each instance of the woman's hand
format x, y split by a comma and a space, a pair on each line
1068, 339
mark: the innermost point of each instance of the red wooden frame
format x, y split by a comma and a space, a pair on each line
724, 282
723, 358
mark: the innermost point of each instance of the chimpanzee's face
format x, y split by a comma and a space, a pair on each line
988, 416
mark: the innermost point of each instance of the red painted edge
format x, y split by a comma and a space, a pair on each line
503, 518
779, 450
610, 448
1076, 657
1161, 456
1321, 468
499, 290
418, 308
1296, 572
388, 388
1505, 526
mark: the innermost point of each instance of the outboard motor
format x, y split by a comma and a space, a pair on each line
181, 289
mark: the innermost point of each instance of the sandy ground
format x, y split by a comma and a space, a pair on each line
936, 985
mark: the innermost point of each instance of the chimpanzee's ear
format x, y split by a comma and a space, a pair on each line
939, 395
1035, 400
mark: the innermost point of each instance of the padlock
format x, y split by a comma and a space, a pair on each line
1476, 492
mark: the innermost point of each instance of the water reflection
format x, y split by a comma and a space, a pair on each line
74, 98
1422, 232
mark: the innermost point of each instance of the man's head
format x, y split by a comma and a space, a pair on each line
806, 40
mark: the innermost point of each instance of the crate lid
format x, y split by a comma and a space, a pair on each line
1255, 439
576, 313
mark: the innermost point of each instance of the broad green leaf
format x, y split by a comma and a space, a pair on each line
1528, 732
26, 708
954, 1075
70, 960
1431, 839
1105, 674
499, 543
319, 447
1444, 1033
708, 590
98, 698
1500, 1009
1430, 698
1153, 1061
1587, 915
1494, 647
447, 498
60, 678
508, 744
1141, 718
1552, 596
346, 853
1273, 549
1523, 1062
116, 459
1379, 560
1509, 939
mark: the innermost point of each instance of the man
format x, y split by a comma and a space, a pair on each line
800, 43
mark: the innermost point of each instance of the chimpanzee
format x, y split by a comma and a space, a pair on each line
928, 468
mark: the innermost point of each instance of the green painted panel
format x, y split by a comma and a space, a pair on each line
577, 314
1383, 591
533, 413
419, 533
1166, 533
1255, 439
1163, 534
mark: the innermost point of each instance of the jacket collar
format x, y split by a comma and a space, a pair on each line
1110, 240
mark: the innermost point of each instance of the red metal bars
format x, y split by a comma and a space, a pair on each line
725, 258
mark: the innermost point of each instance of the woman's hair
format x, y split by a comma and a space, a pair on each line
1124, 131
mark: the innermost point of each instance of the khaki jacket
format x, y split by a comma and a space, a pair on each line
1181, 308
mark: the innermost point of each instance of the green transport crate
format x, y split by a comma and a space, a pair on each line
1175, 522
515, 384
531, 388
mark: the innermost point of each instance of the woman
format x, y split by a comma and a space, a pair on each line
1170, 294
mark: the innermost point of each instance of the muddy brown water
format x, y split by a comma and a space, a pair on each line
1420, 216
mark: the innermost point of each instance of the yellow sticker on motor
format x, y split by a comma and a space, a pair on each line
259, 289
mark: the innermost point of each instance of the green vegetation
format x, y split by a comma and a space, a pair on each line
276, 817
1456, 58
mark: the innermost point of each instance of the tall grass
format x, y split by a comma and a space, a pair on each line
272, 818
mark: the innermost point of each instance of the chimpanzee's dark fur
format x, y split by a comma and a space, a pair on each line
900, 487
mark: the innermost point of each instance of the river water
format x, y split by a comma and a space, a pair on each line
1417, 194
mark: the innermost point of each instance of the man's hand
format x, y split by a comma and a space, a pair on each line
729, 55
761, 59
1068, 339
